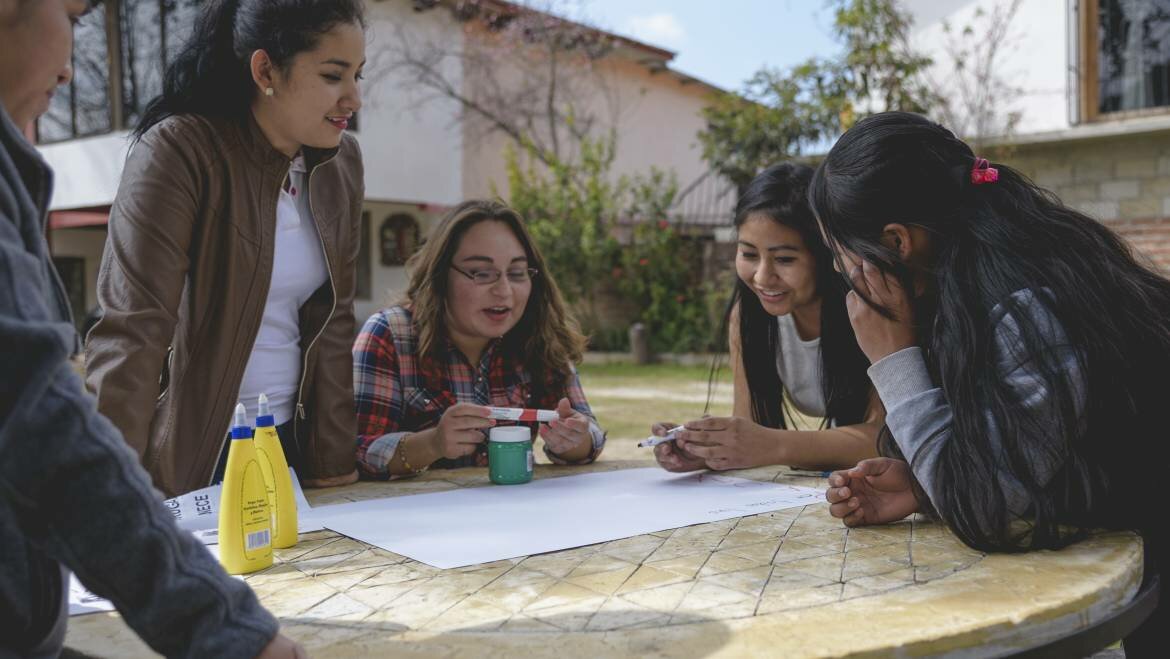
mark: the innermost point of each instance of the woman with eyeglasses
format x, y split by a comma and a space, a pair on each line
482, 324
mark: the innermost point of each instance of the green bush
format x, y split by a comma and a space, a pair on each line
609, 339
571, 208
661, 269
576, 212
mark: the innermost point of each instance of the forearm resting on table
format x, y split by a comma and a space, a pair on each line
833, 448
420, 452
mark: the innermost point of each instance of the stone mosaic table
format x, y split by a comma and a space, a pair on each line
793, 583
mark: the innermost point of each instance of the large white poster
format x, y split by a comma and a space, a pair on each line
484, 524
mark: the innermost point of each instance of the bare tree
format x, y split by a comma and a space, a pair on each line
519, 71
976, 94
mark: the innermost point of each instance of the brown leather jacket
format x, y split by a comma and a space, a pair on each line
183, 284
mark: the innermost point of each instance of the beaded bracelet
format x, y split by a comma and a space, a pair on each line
405, 462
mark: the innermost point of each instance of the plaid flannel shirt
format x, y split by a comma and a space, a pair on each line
398, 392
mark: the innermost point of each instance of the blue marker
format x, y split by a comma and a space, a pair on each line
809, 472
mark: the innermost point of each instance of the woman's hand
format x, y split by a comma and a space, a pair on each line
876, 491
282, 647
462, 428
729, 442
568, 437
877, 335
670, 456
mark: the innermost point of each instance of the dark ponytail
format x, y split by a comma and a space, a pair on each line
211, 75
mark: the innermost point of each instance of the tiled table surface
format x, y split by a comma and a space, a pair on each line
791, 583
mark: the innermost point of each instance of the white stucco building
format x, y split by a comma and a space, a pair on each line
1093, 93
419, 156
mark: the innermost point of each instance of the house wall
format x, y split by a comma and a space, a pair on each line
388, 283
1035, 57
656, 115
1122, 181
86, 171
410, 145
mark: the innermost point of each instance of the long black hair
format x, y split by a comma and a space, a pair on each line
779, 193
1077, 465
211, 75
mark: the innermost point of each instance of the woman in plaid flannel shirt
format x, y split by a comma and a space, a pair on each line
482, 324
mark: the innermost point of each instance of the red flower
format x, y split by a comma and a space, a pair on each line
643, 261
617, 273
680, 299
662, 224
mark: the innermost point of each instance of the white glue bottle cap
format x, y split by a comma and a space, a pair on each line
240, 427
262, 406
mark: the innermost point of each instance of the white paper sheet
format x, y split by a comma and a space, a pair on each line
82, 601
485, 524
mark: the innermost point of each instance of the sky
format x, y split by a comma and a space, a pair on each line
722, 43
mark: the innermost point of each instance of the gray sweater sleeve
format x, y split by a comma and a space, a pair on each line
71, 486
920, 418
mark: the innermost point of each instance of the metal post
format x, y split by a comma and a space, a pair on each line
639, 344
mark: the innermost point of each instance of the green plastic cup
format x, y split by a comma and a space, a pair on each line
510, 455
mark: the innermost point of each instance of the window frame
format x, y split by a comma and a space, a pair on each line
114, 70
1089, 74
113, 85
115, 82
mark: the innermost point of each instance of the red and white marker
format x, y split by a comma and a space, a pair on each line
518, 414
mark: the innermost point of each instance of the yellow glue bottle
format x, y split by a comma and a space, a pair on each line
281, 499
245, 521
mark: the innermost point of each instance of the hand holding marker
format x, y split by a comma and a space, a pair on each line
655, 440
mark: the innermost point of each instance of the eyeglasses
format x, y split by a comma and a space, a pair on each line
489, 276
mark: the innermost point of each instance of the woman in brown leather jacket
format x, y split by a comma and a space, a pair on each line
229, 268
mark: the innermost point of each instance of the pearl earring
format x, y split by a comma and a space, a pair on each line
268, 91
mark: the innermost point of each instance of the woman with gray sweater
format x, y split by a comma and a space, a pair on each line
72, 496
1018, 346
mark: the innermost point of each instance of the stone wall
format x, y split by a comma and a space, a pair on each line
1122, 181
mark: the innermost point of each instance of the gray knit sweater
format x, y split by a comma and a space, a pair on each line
919, 415
71, 490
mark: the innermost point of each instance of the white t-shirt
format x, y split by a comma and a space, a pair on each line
799, 364
298, 270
